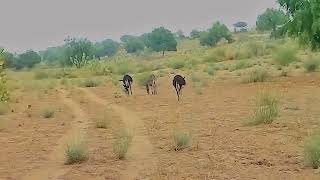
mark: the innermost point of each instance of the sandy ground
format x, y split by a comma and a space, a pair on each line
222, 146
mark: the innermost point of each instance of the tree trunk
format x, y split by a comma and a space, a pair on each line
162, 53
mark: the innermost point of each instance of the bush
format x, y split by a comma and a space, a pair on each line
257, 75
143, 78
90, 83
122, 144
267, 108
104, 121
256, 48
46, 113
285, 55
241, 64
182, 140
4, 108
312, 151
177, 63
210, 70
311, 65
41, 75
76, 151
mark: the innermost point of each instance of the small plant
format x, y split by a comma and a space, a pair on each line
311, 65
241, 64
41, 75
267, 108
122, 144
104, 121
181, 140
90, 83
285, 56
76, 151
4, 108
257, 75
210, 70
312, 151
177, 63
47, 113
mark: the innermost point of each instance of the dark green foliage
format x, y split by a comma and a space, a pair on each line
53, 55
162, 40
107, 47
216, 33
78, 51
8, 59
270, 19
125, 38
304, 20
134, 45
27, 59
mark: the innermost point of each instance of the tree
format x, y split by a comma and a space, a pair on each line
162, 40
304, 21
125, 38
27, 59
78, 51
8, 59
195, 34
134, 45
53, 55
217, 32
146, 39
4, 93
179, 34
107, 47
270, 19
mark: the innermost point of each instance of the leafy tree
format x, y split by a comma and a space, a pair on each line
106, 48
53, 55
270, 19
162, 40
125, 38
27, 59
146, 39
8, 59
4, 93
217, 32
78, 51
134, 45
304, 20
195, 34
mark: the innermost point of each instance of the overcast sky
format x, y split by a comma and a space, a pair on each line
37, 24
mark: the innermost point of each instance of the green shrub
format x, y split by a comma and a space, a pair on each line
181, 140
4, 108
122, 144
241, 64
257, 75
256, 48
211, 58
267, 108
312, 64
285, 55
177, 63
142, 78
41, 75
47, 113
210, 69
76, 151
312, 151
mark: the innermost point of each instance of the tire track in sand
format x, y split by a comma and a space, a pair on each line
54, 167
140, 155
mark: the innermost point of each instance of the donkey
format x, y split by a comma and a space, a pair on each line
151, 84
178, 83
127, 81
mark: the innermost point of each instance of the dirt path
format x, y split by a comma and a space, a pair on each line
141, 158
54, 167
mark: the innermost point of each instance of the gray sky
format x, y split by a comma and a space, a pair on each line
37, 24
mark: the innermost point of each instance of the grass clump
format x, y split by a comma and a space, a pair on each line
285, 55
241, 64
181, 140
312, 151
122, 144
142, 78
4, 108
76, 151
257, 75
104, 121
47, 113
267, 108
210, 70
311, 65
89, 83
177, 63
38, 75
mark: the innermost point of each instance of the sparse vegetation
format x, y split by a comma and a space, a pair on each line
104, 121
182, 140
122, 144
47, 113
257, 75
267, 108
312, 151
89, 83
312, 64
285, 55
41, 75
76, 151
